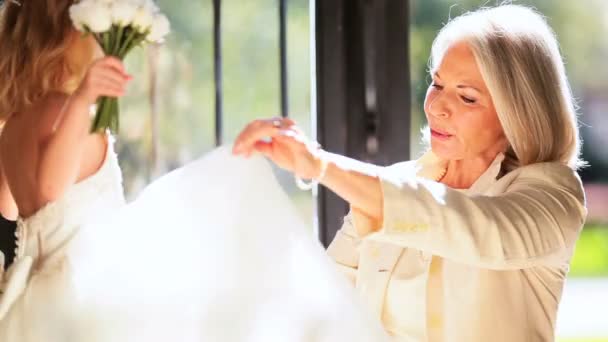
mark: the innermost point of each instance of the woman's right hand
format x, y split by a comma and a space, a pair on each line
105, 77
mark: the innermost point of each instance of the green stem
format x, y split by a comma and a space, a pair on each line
117, 116
98, 116
106, 116
118, 41
112, 34
135, 43
113, 117
106, 42
109, 115
94, 122
122, 52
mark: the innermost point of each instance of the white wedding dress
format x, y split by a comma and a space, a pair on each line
213, 251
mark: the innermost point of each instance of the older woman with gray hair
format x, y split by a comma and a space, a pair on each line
472, 241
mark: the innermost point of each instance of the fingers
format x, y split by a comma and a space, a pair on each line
274, 150
109, 88
109, 81
115, 64
289, 122
112, 74
255, 131
110, 68
264, 147
105, 85
283, 142
291, 139
106, 77
264, 129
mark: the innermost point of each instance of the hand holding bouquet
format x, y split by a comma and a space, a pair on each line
118, 26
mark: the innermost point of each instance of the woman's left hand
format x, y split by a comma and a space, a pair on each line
284, 143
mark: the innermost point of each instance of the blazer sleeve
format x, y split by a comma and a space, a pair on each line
344, 249
536, 221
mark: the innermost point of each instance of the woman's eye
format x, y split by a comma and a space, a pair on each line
436, 86
467, 100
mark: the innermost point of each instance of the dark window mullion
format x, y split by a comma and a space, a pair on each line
283, 57
363, 90
217, 69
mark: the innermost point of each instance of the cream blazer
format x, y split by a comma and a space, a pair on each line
483, 264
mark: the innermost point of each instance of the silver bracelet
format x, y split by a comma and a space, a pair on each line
302, 185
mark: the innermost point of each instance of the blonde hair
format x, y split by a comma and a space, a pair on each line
520, 61
35, 37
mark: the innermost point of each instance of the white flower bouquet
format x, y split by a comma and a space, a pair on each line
118, 26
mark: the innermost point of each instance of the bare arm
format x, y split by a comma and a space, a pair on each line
61, 159
356, 182
535, 222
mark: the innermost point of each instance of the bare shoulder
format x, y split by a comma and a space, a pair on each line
49, 110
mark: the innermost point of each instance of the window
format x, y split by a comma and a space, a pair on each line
168, 116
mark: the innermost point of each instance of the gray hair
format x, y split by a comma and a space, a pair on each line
520, 62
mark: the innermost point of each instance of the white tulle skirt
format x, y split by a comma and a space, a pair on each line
213, 251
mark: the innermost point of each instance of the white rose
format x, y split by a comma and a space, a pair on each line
151, 6
95, 15
123, 12
143, 19
160, 28
138, 3
76, 14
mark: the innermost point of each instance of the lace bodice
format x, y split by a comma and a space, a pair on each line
43, 235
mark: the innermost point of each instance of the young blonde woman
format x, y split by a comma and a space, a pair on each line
199, 256
472, 241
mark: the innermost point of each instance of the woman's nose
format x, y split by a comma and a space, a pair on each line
439, 106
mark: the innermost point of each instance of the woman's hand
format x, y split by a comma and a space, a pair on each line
356, 182
105, 77
282, 142
62, 159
